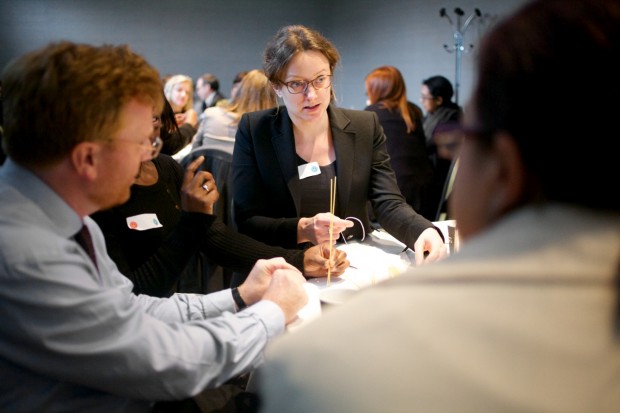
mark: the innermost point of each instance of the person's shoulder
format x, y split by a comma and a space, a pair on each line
342, 116
266, 113
213, 111
450, 112
166, 162
264, 118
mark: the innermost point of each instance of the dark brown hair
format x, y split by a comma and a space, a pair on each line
289, 41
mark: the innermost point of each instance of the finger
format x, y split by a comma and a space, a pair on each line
419, 256
190, 171
202, 178
279, 263
193, 166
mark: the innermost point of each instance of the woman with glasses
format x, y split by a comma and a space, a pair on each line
287, 159
443, 137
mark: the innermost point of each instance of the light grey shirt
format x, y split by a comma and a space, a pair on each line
521, 319
75, 338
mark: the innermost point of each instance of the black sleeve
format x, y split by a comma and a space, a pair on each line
239, 252
158, 274
179, 139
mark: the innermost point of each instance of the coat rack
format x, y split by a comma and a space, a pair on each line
458, 48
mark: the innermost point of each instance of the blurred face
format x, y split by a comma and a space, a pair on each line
428, 102
310, 105
122, 155
202, 89
180, 95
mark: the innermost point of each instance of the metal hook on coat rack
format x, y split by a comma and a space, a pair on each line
458, 34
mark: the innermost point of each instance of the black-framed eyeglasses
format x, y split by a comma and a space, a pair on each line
301, 86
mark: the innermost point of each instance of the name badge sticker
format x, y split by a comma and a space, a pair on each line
143, 222
308, 170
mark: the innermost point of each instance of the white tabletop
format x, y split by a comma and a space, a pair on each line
379, 257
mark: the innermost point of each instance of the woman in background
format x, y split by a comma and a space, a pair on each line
218, 124
406, 144
179, 92
441, 127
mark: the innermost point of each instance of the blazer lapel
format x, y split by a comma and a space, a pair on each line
284, 147
344, 145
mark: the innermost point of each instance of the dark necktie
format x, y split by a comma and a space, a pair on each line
83, 238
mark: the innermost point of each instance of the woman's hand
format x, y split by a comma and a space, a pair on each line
189, 116
429, 241
316, 261
316, 229
198, 192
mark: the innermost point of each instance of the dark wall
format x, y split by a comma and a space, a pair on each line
226, 36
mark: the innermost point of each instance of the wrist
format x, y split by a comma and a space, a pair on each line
239, 302
302, 227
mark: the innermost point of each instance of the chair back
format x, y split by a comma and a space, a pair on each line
218, 162
442, 210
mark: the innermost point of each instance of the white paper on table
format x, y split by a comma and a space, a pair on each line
370, 264
310, 311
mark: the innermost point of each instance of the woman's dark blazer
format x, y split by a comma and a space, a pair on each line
266, 191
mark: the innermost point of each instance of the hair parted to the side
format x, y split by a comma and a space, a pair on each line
66, 93
386, 85
289, 41
255, 93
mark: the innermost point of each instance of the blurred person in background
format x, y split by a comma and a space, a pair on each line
218, 125
406, 144
443, 135
208, 92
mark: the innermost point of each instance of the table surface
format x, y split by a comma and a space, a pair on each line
379, 257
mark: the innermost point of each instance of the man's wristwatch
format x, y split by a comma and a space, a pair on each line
238, 300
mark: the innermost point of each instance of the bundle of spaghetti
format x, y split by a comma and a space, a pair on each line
332, 210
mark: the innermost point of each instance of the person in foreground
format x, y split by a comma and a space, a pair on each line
286, 158
525, 317
74, 337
